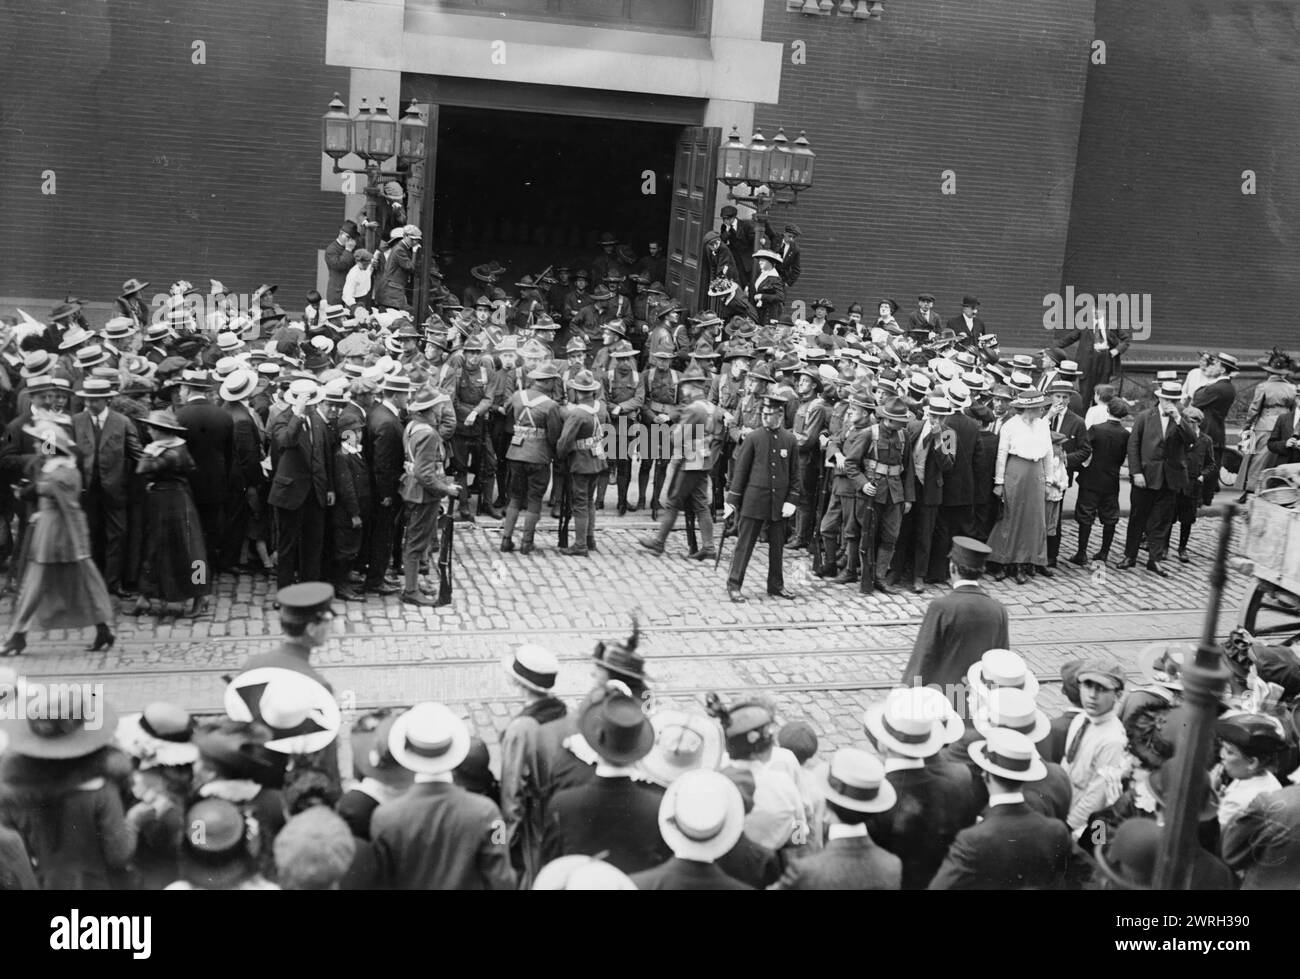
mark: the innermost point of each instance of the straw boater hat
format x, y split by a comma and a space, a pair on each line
701, 816
1035, 399
1014, 710
75, 336
96, 387
1010, 755
304, 393
532, 667
855, 780
298, 709
685, 740
907, 722
160, 736
1000, 668
577, 872
119, 328
1169, 391
238, 385
429, 739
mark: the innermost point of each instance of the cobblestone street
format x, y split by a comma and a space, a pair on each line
823, 657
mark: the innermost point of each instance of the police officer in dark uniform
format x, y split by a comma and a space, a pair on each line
765, 489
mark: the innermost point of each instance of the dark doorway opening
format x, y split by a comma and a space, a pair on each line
530, 189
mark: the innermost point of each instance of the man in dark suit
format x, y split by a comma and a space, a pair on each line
209, 436
1157, 465
109, 447
437, 836
1078, 449
303, 486
1285, 440
1099, 482
933, 449
968, 326
956, 517
613, 813
961, 626
383, 447
924, 317
1013, 847
1056, 369
1098, 353
338, 259
788, 249
738, 237
855, 788
931, 808
701, 818
765, 487
1215, 400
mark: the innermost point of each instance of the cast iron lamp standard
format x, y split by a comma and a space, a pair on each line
375, 136
772, 173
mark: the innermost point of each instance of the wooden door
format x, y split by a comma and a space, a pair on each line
420, 186
695, 182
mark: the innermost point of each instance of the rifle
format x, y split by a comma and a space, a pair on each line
825, 489
867, 547
444, 558
566, 511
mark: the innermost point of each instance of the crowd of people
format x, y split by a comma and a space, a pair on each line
965, 786
195, 437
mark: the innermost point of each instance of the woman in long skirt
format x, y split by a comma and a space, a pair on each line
61, 587
1019, 540
175, 567
1274, 396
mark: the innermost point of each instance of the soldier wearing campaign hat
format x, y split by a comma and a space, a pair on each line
845, 516
471, 446
582, 452
764, 493
538, 422
888, 485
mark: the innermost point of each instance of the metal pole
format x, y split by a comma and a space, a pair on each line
1203, 682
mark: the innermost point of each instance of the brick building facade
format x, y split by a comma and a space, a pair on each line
1117, 177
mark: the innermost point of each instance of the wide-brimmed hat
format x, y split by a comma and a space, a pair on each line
160, 736
532, 666
298, 709
1008, 754
62, 737
895, 409
701, 816
164, 421
622, 349
907, 722
238, 385
1169, 391
1277, 362
74, 336
855, 780
132, 286
684, 740
768, 254
1014, 710
424, 399
1030, 399
429, 739
578, 872
118, 328
1001, 668
488, 271
615, 726
1162, 663
616, 327
96, 387
304, 393
584, 380
370, 752
46, 432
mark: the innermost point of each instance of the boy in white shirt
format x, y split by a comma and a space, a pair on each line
1095, 741
1248, 750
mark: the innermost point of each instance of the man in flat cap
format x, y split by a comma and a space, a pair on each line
962, 625
738, 237
1095, 740
924, 317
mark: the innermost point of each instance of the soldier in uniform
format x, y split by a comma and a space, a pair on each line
622, 384
888, 485
471, 446
576, 298
845, 454
440, 368
576, 350
659, 407
612, 333
544, 330
660, 337
809, 423
538, 424
765, 488
696, 438
726, 392
582, 450
504, 382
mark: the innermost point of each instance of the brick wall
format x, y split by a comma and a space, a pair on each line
992, 90
1193, 93
165, 169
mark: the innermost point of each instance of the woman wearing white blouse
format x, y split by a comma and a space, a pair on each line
1019, 541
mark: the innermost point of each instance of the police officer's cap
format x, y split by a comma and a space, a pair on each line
305, 601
